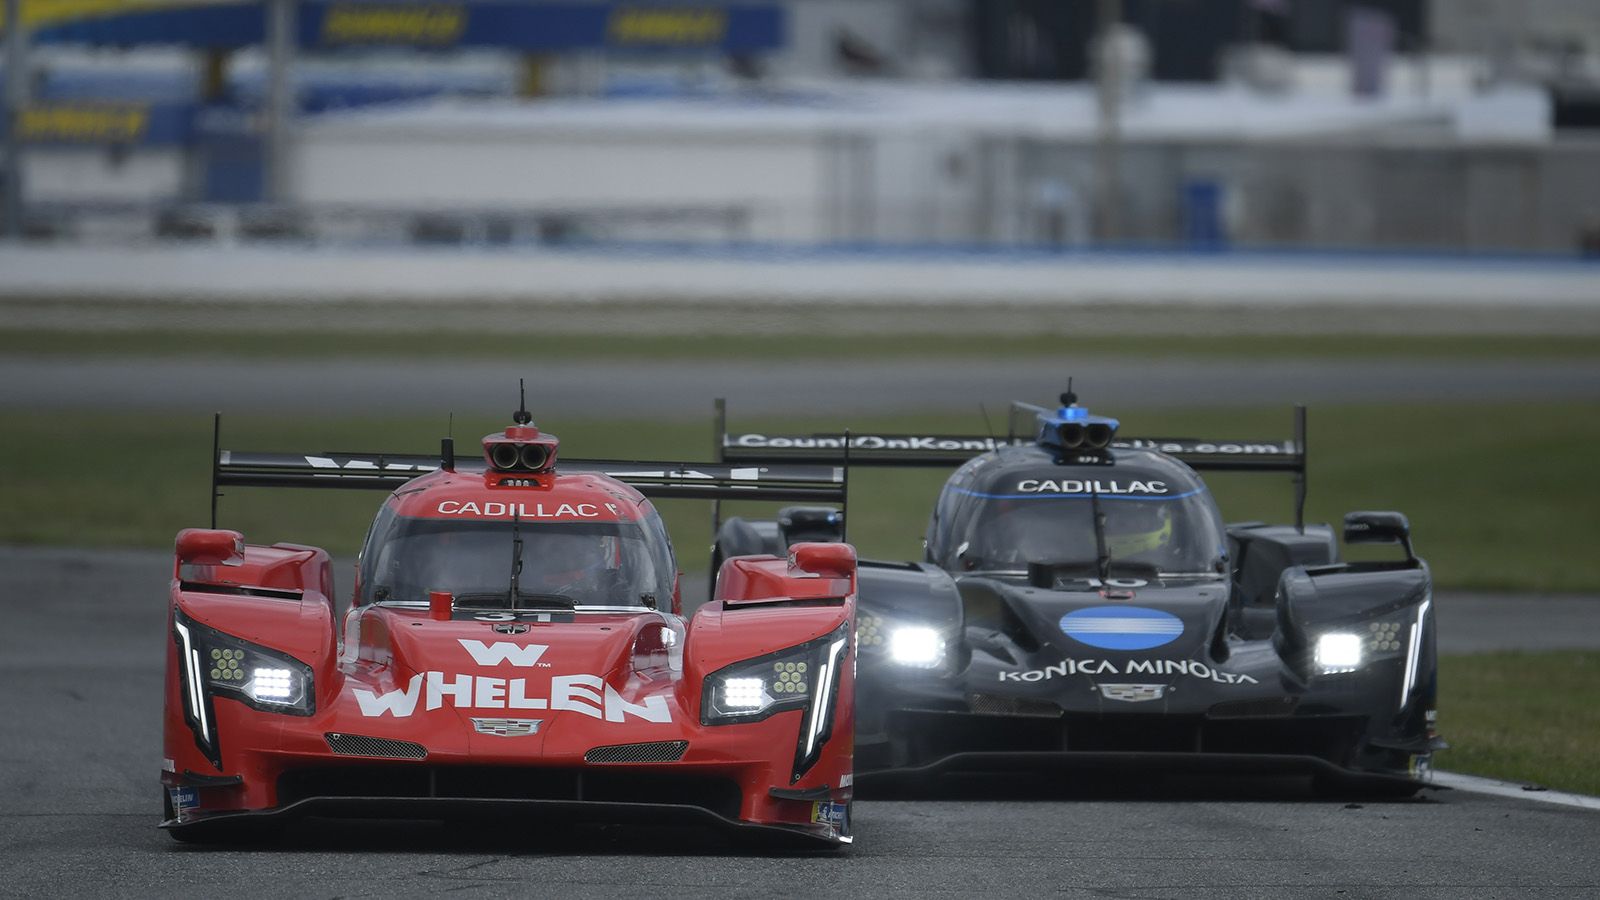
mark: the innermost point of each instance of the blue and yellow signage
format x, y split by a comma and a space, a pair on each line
84, 123
404, 24
527, 27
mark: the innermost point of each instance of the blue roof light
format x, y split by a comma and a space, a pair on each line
1072, 427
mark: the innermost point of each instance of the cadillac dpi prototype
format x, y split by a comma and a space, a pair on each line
1081, 603
514, 647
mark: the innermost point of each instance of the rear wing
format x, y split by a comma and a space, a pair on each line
654, 479
949, 450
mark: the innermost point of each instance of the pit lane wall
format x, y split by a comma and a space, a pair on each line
777, 276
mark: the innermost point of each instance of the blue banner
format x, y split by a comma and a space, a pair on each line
528, 27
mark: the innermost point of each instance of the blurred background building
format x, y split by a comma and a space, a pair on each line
1453, 125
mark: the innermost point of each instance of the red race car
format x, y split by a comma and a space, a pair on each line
515, 645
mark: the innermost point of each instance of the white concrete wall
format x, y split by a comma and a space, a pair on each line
780, 178
97, 175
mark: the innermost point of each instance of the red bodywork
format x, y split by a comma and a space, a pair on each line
396, 679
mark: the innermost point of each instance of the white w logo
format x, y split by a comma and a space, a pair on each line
502, 652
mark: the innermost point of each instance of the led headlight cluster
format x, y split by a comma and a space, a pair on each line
1339, 651
913, 646
805, 677
869, 630
1383, 636
1398, 635
213, 664
917, 646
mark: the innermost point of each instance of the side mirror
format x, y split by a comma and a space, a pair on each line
836, 560
210, 547
1370, 527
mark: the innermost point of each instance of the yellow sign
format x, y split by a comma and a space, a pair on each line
39, 13
364, 23
668, 26
83, 123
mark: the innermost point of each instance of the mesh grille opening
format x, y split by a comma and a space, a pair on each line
992, 705
654, 751
380, 748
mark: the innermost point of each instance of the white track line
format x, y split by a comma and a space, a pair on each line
1476, 785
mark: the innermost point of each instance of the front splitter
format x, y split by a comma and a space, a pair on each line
568, 812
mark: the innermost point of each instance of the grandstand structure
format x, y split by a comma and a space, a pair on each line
953, 123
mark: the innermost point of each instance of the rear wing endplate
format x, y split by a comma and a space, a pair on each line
654, 479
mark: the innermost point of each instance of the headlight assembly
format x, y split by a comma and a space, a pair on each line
1338, 651
212, 664
917, 646
805, 677
1398, 635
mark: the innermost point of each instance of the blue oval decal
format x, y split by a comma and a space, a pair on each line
1121, 627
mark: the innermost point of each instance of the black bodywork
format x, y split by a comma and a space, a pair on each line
1208, 661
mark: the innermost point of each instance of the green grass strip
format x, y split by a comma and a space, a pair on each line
1496, 501
1527, 717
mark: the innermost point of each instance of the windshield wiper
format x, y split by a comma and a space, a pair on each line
1102, 554
516, 559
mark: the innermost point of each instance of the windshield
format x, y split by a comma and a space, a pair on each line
563, 564
1179, 535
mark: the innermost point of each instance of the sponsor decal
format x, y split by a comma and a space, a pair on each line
498, 509
1225, 448
1122, 627
507, 727
584, 694
677, 27
1089, 486
411, 24
871, 442
824, 812
83, 123
323, 462
184, 799
168, 765
1187, 668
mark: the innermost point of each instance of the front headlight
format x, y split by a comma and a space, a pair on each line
917, 646
805, 677
1338, 651
227, 666
752, 690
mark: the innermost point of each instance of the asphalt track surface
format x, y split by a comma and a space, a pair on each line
670, 389
80, 663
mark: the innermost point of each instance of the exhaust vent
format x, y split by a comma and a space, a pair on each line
655, 751
379, 748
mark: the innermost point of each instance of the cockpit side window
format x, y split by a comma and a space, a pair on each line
376, 536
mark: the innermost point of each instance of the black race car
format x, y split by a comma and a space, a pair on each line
1082, 603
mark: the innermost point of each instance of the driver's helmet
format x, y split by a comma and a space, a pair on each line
577, 560
1136, 527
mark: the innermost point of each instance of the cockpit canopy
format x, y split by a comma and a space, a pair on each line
563, 564
1019, 507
